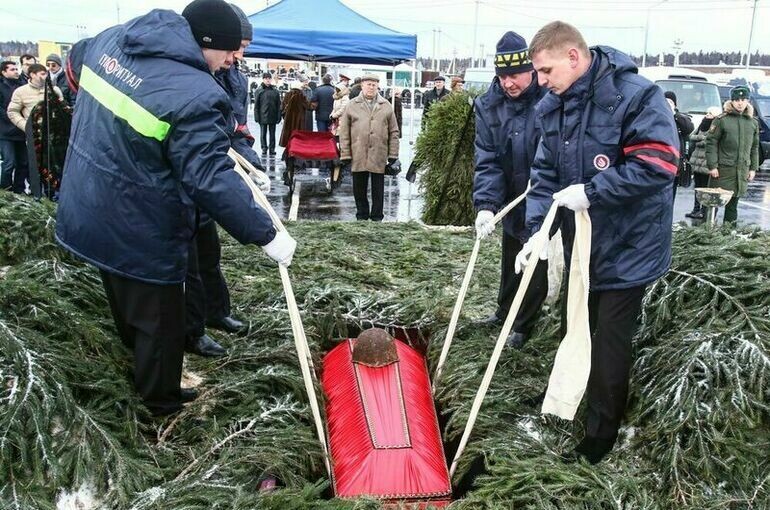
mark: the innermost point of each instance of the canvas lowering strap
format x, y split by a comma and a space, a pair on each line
583, 252
466, 283
243, 168
572, 365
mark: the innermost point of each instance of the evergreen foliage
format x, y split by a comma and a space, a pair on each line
443, 155
697, 431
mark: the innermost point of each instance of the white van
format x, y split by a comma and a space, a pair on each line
694, 92
478, 78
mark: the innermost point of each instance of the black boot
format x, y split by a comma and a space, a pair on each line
592, 449
204, 346
492, 320
516, 340
188, 394
227, 324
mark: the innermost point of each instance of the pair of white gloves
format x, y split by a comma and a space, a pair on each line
572, 197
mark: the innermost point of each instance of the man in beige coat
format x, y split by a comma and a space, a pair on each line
28, 96
368, 134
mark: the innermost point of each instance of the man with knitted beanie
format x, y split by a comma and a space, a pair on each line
506, 141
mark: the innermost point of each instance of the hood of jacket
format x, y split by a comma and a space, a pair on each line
163, 34
729, 109
605, 62
342, 92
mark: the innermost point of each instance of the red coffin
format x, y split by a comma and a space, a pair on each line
383, 433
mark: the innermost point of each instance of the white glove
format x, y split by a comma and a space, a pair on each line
262, 180
281, 248
573, 197
522, 259
484, 223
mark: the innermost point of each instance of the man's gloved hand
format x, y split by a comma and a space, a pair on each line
281, 248
393, 167
261, 180
346, 165
522, 259
484, 223
573, 197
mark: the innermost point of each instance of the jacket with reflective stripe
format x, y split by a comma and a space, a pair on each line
148, 145
613, 131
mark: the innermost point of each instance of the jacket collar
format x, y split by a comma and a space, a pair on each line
10, 82
360, 99
597, 83
730, 110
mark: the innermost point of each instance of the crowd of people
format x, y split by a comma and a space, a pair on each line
148, 177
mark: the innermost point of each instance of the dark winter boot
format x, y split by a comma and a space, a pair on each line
592, 449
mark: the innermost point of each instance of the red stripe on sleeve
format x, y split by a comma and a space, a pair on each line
71, 81
661, 163
653, 146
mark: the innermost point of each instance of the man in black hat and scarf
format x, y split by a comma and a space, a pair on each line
506, 141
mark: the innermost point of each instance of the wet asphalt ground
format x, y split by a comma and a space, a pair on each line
404, 203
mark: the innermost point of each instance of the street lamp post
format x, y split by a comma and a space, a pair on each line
647, 31
475, 33
751, 34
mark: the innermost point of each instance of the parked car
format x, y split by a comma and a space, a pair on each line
478, 78
694, 92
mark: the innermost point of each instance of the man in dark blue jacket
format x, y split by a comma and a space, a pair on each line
323, 97
609, 146
207, 295
145, 152
267, 112
506, 141
13, 147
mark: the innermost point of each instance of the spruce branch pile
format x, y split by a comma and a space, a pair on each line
72, 428
443, 156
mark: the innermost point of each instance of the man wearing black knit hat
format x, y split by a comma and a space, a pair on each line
207, 295
506, 140
145, 153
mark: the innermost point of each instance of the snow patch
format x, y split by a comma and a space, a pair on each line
84, 498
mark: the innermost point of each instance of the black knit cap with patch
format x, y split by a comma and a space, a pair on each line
512, 55
214, 24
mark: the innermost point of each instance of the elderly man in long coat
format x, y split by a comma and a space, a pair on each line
368, 143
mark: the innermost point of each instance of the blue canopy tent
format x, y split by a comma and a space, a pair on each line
326, 31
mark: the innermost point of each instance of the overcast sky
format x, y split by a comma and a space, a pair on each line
699, 24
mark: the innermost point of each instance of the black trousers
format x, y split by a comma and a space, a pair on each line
701, 181
361, 192
150, 319
613, 317
264, 129
207, 298
509, 284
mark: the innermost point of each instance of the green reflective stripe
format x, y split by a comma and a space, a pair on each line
122, 106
